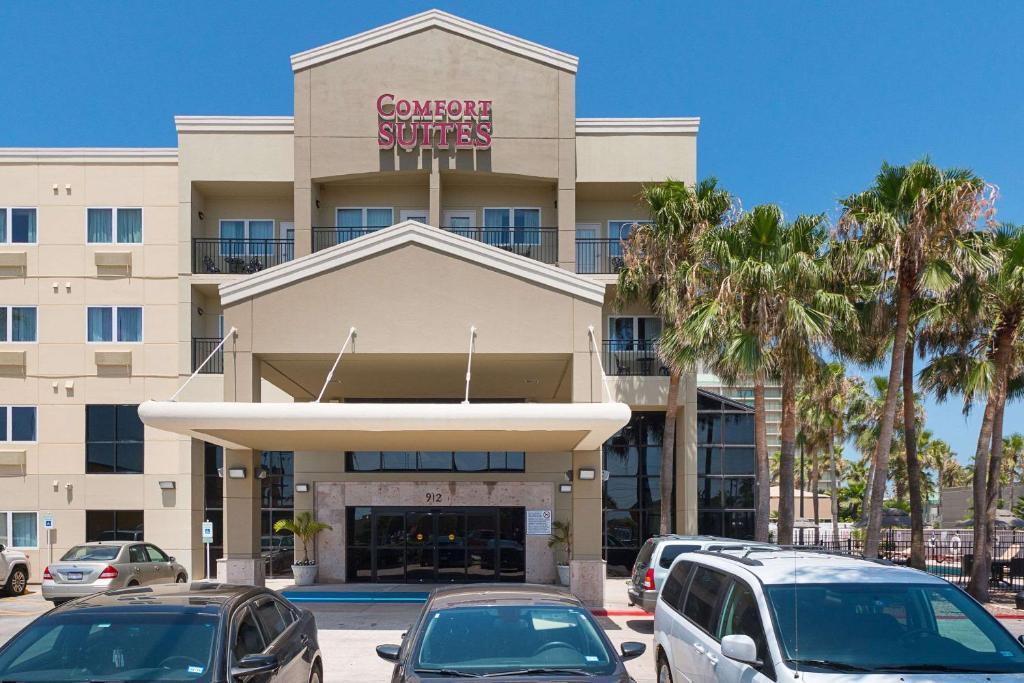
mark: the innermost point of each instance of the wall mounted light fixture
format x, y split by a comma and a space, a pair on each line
236, 473
587, 474
565, 488
168, 485
302, 488
262, 472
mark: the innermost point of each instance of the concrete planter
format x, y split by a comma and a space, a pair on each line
304, 574
563, 574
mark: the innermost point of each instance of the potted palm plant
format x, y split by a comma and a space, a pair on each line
561, 537
305, 528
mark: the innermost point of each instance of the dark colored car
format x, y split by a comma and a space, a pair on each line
512, 632
199, 632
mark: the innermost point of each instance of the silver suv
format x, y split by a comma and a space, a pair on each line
656, 557
785, 615
14, 571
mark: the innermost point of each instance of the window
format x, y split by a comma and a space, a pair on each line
364, 217
18, 226
114, 525
675, 585
114, 439
17, 324
435, 461
18, 529
137, 554
706, 588
246, 237
248, 639
273, 622
113, 225
670, 552
619, 231
155, 554
726, 467
114, 323
512, 226
627, 332
17, 423
740, 616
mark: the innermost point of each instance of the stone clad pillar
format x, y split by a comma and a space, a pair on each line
242, 562
586, 567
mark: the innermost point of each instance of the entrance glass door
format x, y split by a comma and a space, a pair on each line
439, 545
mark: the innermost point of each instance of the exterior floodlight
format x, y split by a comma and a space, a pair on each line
565, 488
588, 474
167, 485
236, 473
302, 488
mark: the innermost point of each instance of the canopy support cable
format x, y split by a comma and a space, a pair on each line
604, 377
330, 375
469, 360
202, 365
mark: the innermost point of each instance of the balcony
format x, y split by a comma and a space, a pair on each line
598, 255
201, 348
215, 255
636, 358
540, 244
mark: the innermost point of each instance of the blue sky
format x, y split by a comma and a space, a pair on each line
800, 102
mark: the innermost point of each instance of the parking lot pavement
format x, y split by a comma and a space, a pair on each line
16, 612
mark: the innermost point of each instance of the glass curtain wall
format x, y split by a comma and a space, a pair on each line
726, 467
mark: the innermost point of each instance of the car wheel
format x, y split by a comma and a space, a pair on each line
17, 581
664, 675
132, 584
314, 676
181, 579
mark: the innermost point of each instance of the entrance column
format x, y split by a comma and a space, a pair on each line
586, 567
242, 562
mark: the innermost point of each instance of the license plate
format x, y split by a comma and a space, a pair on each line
74, 576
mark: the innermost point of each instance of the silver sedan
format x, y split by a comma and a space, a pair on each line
96, 567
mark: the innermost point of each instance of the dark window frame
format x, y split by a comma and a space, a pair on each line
418, 456
141, 530
94, 466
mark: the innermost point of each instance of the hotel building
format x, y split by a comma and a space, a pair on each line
395, 309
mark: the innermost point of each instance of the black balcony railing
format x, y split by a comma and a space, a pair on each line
224, 255
632, 357
324, 237
598, 255
201, 348
540, 244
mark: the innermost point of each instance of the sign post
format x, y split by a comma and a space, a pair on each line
48, 525
207, 540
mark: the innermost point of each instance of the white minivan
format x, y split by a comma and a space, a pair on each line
779, 615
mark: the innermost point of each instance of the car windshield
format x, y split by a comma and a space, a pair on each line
121, 646
529, 639
91, 553
893, 627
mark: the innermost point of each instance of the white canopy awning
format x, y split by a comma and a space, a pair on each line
392, 426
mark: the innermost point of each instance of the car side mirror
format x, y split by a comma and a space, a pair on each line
2, 547
632, 650
171, 559
741, 649
252, 665
1020, 639
389, 653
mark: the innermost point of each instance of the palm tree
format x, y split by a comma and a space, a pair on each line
659, 262
911, 224
303, 527
768, 314
981, 337
1013, 455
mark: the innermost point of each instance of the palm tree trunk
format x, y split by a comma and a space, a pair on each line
788, 450
763, 506
835, 487
977, 586
668, 451
913, 462
814, 497
881, 458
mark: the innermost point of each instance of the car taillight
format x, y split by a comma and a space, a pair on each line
108, 573
47, 574
649, 580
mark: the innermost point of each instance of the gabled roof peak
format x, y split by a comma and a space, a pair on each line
434, 18
412, 232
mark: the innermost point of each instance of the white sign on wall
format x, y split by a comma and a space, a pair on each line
48, 520
538, 522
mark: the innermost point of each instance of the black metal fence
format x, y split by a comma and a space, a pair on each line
240, 256
324, 237
540, 244
632, 357
597, 255
201, 348
949, 553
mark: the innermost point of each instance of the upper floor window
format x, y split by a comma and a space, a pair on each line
17, 323
17, 423
114, 225
114, 439
626, 329
114, 323
512, 225
364, 217
18, 226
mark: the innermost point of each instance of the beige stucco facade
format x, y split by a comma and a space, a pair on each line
269, 183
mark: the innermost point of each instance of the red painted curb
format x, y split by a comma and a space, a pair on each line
1008, 616
620, 613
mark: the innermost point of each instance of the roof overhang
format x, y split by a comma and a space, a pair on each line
411, 232
435, 19
391, 426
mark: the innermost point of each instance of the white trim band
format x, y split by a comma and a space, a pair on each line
234, 124
86, 155
637, 126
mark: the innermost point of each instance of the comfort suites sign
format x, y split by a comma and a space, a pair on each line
412, 124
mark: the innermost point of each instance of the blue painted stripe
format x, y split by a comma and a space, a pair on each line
356, 597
